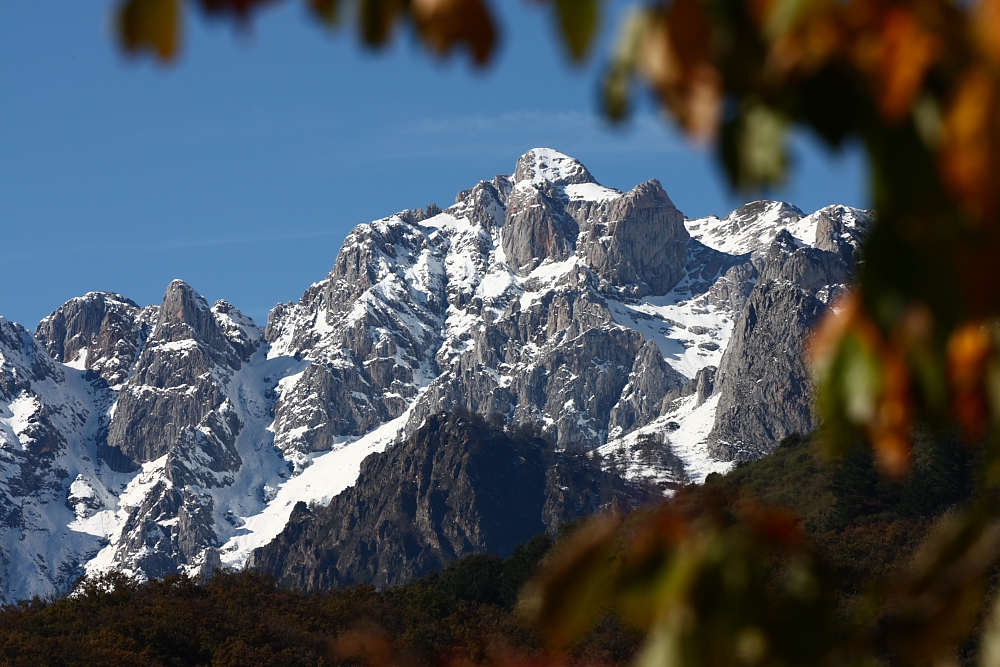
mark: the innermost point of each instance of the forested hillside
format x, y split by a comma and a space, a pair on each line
864, 527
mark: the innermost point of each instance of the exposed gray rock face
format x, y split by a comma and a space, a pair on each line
652, 384
704, 384
370, 331
49, 418
732, 290
193, 415
763, 383
173, 387
440, 494
439, 305
841, 230
537, 228
100, 331
639, 242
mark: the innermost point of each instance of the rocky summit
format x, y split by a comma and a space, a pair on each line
598, 340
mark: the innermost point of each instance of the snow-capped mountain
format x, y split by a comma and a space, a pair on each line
179, 437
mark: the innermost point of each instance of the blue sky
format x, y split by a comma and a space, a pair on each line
242, 168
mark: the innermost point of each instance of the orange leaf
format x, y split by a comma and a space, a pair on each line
826, 338
969, 348
658, 61
970, 134
907, 51
890, 433
674, 57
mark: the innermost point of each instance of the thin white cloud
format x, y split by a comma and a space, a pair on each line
498, 134
167, 244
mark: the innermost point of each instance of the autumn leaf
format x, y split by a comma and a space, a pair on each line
907, 52
444, 24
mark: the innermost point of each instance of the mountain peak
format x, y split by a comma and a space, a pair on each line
184, 305
547, 164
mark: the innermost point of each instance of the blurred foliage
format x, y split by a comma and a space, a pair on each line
789, 560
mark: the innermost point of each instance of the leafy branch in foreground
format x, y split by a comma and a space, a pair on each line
720, 576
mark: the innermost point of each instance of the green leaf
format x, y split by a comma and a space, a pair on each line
578, 21
762, 146
616, 88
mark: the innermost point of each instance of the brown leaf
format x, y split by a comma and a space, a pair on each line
327, 11
239, 9
445, 24
150, 25
378, 18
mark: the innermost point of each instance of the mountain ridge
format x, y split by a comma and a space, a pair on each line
599, 318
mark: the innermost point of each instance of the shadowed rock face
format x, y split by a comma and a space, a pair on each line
537, 228
173, 388
639, 243
652, 383
107, 328
763, 384
446, 491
